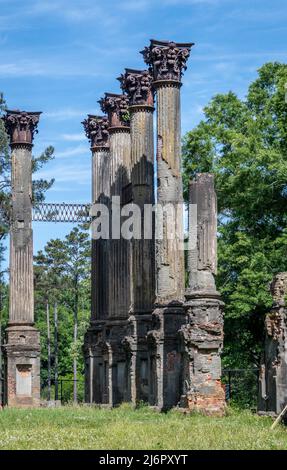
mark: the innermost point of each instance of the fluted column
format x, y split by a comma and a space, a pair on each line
137, 85
96, 128
116, 107
23, 345
167, 60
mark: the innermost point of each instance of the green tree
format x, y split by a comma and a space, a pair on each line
40, 186
62, 275
244, 143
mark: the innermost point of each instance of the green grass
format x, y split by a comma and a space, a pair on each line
83, 427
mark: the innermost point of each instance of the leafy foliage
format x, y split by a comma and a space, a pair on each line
62, 276
244, 143
40, 186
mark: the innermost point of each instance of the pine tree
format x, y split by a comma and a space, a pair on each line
62, 276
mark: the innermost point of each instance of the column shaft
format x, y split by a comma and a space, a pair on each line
113, 380
21, 306
167, 60
142, 177
100, 247
22, 349
169, 253
202, 336
96, 128
137, 85
120, 294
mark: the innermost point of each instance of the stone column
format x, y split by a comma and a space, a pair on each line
167, 60
202, 337
22, 349
137, 85
116, 107
273, 374
96, 128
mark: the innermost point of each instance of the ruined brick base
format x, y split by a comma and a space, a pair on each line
201, 341
105, 361
167, 359
209, 405
22, 363
273, 372
116, 361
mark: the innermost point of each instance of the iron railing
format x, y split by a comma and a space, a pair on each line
62, 212
241, 388
65, 390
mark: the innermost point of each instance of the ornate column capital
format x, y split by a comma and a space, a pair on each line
137, 84
21, 127
116, 107
96, 129
166, 60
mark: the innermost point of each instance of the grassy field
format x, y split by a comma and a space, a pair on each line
124, 428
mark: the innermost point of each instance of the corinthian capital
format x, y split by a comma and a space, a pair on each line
96, 129
116, 107
167, 60
138, 86
21, 127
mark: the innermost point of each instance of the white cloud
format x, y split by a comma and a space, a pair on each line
3, 39
240, 55
140, 5
72, 152
65, 113
57, 67
199, 109
67, 174
25, 68
74, 137
74, 11
269, 14
135, 6
194, 2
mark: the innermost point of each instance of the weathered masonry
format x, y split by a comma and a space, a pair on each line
154, 336
167, 62
273, 374
202, 335
151, 338
22, 349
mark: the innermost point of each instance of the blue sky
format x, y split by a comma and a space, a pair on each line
60, 56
